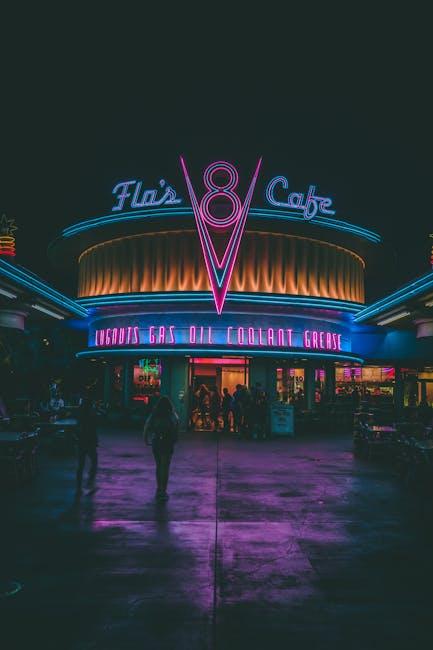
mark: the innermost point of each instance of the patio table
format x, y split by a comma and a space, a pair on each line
65, 422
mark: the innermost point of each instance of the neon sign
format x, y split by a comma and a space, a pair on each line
309, 206
194, 334
150, 366
219, 268
7, 238
117, 336
143, 198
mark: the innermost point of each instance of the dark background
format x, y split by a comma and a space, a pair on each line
89, 102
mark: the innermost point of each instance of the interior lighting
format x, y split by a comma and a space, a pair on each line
8, 294
428, 304
48, 312
394, 317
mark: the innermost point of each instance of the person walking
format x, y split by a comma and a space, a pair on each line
238, 410
215, 407
356, 399
227, 408
203, 398
247, 412
161, 432
87, 439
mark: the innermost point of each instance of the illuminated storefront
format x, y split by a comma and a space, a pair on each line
218, 285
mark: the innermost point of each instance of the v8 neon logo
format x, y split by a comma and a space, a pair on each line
220, 269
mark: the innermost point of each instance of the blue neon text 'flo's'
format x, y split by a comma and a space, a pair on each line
143, 198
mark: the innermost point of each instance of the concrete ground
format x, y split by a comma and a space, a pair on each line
280, 544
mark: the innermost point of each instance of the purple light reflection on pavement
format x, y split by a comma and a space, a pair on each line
315, 549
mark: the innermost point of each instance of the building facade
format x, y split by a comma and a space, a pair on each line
214, 285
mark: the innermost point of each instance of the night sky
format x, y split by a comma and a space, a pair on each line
79, 115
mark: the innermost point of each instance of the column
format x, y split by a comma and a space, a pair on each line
263, 371
271, 380
285, 382
174, 384
107, 383
310, 386
128, 368
398, 390
423, 391
166, 376
330, 382
412, 391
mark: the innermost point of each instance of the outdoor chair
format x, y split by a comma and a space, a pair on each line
376, 445
13, 467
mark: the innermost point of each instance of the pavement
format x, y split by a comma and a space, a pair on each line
263, 544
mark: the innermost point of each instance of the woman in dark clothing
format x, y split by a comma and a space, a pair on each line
247, 411
356, 399
161, 431
87, 442
203, 398
227, 408
238, 409
215, 407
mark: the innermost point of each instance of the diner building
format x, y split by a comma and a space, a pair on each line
207, 284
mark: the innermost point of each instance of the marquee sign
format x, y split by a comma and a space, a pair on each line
155, 335
220, 181
227, 331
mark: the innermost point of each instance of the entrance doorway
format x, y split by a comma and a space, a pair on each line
207, 379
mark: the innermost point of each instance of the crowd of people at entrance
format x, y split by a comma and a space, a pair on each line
244, 412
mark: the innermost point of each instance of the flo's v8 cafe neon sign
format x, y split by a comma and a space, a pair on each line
220, 182
132, 195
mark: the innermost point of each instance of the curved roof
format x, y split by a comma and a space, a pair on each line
76, 238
